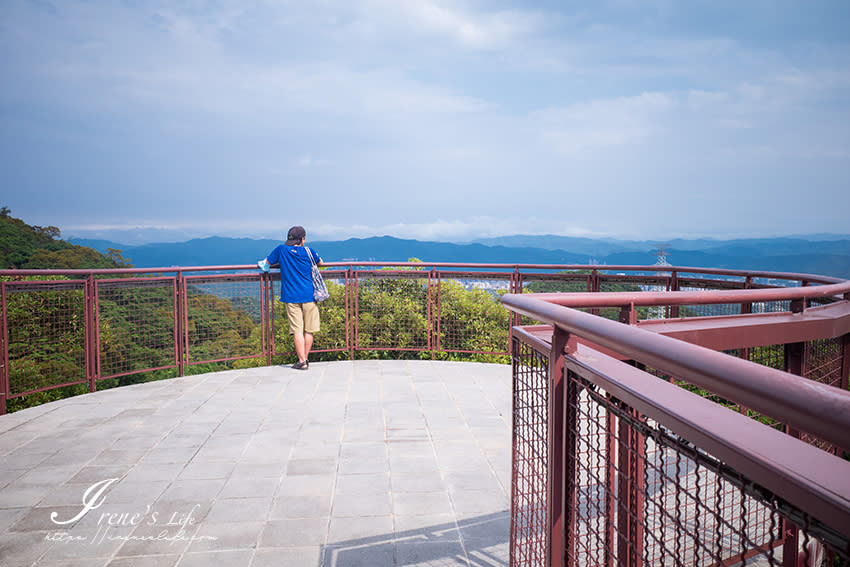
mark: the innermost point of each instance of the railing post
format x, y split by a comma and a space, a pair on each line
845, 363
630, 463
435, 326
557, 457
795, 363
91, 333
268, 337
674, 286
349, 304
610, 485
570, 411
628, 314
355, 310
747, 308
515, 287
181, 323
519, 287
272, 316
4, 353
595, 287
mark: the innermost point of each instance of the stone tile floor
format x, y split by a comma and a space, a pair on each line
373, 463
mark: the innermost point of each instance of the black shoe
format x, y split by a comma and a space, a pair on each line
301, 365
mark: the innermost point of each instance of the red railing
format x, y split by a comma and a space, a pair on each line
64, 328
78, 328
625, 448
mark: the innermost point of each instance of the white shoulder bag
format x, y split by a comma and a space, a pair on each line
320, 290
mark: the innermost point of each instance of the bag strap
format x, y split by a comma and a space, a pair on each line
312, 261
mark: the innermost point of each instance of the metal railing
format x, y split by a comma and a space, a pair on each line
625, 448
79, 328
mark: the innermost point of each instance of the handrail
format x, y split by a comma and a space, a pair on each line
803, 474
803, 404
808, 278
655, 298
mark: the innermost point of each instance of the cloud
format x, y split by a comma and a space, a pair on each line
456, 230
603, 123
423, 27
404, 110
474, 29
440, 230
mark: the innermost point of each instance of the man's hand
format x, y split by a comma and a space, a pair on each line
263, 265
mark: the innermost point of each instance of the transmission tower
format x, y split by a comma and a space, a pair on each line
659, 311
661, 253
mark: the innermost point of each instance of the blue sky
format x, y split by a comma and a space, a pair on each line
426, 118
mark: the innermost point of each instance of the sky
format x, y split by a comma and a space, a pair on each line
428, 119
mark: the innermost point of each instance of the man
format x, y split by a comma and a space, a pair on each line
296, 290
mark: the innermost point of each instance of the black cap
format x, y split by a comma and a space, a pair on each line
295, 235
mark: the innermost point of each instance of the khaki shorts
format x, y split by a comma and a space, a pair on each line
303, 318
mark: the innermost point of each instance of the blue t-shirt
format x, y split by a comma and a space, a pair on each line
296, 281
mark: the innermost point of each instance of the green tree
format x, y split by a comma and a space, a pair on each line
36, 247
473, 321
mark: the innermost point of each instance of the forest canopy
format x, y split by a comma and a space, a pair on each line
23, 246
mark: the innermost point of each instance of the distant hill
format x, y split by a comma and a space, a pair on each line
826, 257
37, 247
596, 248
738, 247
227, 251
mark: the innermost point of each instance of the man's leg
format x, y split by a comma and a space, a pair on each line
311, 325
308, 344
296, 329
301, 348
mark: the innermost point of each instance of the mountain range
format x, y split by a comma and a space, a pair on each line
826, 256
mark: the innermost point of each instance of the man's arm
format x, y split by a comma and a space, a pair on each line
314, 257
265, 263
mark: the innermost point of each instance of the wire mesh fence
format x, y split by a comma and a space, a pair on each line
392, 310
335, 320
824, 360
562, 282
66, 330
136, 325
821, 360
223, 316
637, 492
44, 335
469, 317
644, 495
530, 476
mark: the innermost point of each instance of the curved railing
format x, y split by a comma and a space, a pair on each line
599, 439
813, 408
64, 328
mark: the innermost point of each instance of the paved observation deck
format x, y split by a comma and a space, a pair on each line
373, 463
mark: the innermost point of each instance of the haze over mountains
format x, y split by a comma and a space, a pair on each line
817, 254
